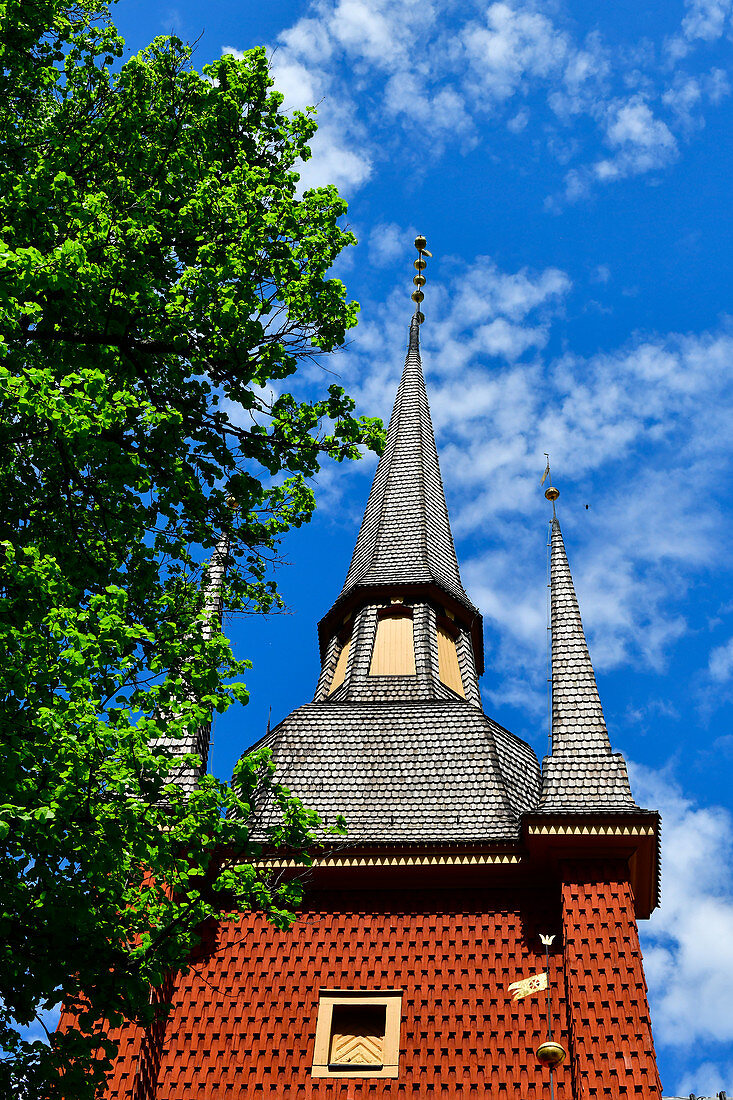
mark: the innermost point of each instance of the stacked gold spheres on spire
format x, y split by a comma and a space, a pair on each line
419, 279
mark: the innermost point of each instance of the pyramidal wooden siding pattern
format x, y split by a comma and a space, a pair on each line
610, 1029
243, 1019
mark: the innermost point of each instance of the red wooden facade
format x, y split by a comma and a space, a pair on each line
243, 1019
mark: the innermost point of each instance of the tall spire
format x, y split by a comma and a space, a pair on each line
582, 773
405, 536
404, 554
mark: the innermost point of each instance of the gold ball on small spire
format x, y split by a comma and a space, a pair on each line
552, 493
551, 1053
421, 243
417, 296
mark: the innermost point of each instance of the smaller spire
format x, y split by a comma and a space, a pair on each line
577, 714
582, 772
212, 602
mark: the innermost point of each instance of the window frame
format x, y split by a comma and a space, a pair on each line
328, 999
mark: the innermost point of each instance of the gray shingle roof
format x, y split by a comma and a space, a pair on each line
405, 535
426, 772
403, 757
582, 772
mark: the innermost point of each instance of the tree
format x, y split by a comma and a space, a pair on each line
158, 272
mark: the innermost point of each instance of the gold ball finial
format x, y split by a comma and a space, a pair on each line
551, 1054
421, 243
552, 493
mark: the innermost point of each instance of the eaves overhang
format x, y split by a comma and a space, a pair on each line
555, 838
432, 591
535, 860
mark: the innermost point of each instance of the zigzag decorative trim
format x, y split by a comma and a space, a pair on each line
591, 830
483, 858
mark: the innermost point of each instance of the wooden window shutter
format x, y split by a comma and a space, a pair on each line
357, 1033
340, 670
394, 647
448, 668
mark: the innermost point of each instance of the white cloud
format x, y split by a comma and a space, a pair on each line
688, 943
705, 19
720, 664
378, 31
444, 110
367, 64
335, 161
717, 85
687, 96
518, 121
513, 45
707, 1080
683, 98
642, 142
389, 242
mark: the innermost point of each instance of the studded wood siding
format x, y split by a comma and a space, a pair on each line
610, 1027
243, 1019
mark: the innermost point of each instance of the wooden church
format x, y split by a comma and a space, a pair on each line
462, 851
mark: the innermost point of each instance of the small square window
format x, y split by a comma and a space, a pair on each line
357, 1033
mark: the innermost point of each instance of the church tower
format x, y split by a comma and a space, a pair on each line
461, 853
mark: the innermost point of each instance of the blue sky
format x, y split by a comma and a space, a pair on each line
570, 165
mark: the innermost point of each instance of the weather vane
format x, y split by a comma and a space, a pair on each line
550, 492
549, 1053
419, 279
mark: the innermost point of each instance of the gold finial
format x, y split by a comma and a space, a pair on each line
551, 1054
551, 493
419, 279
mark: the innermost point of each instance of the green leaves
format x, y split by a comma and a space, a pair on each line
157, 271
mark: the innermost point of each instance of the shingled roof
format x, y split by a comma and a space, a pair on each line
406, 758
425, 772
582, 773
405, 536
